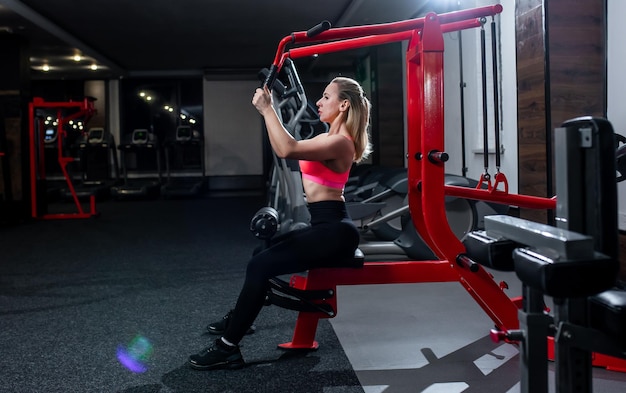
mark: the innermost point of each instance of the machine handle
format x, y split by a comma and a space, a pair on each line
271, 76
277, 85
318, 28
312, 32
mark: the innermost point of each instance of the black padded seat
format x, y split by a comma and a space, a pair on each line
607, 313
282, 294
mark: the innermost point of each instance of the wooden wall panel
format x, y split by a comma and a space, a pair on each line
561, 70
577, 53
531, 75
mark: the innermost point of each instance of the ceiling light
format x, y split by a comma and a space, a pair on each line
45, 68
94, 67
77, 58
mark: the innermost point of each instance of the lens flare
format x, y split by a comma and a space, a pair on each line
134, 356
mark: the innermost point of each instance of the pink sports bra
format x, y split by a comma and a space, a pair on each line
321, 174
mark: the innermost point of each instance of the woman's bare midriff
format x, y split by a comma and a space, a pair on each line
317, 192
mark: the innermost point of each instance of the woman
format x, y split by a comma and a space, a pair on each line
325, 163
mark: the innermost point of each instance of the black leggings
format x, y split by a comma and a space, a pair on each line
331, 240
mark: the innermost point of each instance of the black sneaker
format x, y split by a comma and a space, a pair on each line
219, 355
220, 326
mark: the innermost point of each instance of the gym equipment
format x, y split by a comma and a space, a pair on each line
426, 171
184, 164
380, 193
386, 228
387, 209
139, 144
55, 181
576, 263
66, 112
97, 157
301, 121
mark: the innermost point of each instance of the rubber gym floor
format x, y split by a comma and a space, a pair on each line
82, 302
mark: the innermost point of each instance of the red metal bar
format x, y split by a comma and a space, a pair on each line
387, 273
383, 28
354, 43
426, 62
460, 25
371, 273
446, 245
414, 121
361, 42
525, 201
405, 272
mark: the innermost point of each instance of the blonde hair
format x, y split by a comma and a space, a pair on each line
358, 119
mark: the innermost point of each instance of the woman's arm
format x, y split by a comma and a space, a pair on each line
322, 147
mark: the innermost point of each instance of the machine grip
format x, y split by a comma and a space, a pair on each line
318, 28
271, 76
277, 86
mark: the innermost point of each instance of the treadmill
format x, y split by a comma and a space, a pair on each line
139, 183
54, 180
98, 165
184, 163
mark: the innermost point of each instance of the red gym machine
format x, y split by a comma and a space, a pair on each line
427, 156
65, 112
427, 191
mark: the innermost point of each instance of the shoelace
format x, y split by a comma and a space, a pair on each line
208, 350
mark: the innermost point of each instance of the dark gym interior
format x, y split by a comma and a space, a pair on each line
134, 167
